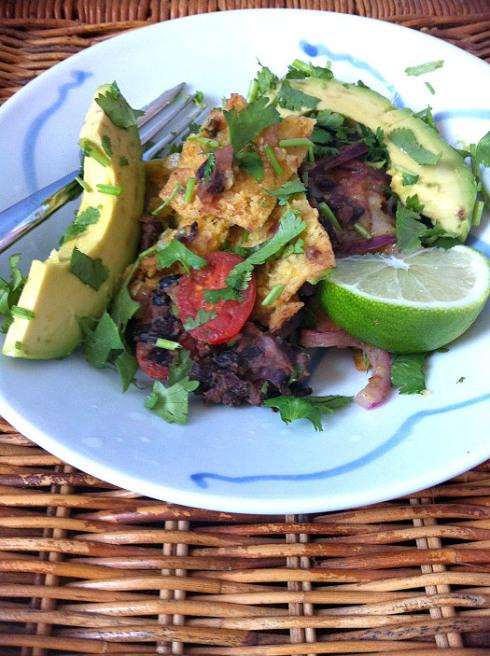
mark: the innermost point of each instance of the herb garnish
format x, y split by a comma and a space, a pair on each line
430, 87
406, 140
172, 403
273, 295
262, 84
21, 313
117, 108
89, 271
245, 125
82, 183
311, 408
300, 70
168, 344
111, 190
408, 373
174, 252
202, 317
295, 99
10, 291
91, 149
123, 161
251, 162
288, 189
271, 156
422, 69
82, 220
178, 187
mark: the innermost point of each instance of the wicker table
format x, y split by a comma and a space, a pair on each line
86, 568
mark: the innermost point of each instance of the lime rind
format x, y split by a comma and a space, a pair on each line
465, 282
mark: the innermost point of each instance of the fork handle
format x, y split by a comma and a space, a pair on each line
19, 219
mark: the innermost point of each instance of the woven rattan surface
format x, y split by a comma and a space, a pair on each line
89, 569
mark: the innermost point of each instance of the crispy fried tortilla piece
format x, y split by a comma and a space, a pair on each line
244, 202
293, 271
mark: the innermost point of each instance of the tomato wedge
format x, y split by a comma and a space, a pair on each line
231, 314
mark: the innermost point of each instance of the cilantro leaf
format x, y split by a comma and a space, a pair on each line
408, 373
22, 313
290, 226
10, 291
406, 140
266, 80
426, 116
202, 317
101, 341
127, 366
251, 162
244, 126
482, 152
171, 403
296, 248
409, 229
330, 120
294, 99
422, 69
175, 251
300, 70
286, 190
311, 408
117, 108
124, 307
91, 272
213, 296
321, 136
413, 203
82, 220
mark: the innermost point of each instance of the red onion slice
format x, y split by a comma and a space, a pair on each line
379, 384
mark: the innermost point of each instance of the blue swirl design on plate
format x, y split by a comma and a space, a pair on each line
201, 478
320, 49
477, 113
32, 134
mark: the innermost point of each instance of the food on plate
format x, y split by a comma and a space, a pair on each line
311, 214
79, 278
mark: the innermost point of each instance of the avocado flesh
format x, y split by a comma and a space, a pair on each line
56, 296
447, 190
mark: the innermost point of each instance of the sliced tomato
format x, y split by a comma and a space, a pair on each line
152, 369
231, 314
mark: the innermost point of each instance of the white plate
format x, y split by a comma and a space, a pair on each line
245, 460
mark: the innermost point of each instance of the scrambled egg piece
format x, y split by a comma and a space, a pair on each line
293, 271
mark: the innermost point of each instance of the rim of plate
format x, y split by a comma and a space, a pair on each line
208, 500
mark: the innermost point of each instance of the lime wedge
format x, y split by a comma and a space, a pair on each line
408, 303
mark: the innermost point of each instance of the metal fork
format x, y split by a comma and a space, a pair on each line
170, 110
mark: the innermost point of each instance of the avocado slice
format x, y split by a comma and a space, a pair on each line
56, 296
447, 190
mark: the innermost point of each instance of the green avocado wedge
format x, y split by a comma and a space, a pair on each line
446, 189
106, 230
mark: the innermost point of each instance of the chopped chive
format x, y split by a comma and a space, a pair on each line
273, 295
364, 232
82, 183
328, 214
168, 344
430, 87
189, 188
245, 236
301, 66
18, 346
253, 91
477, 212
204, 141
21, 312
90, 149
377, 165
178, 187
272, 159
112, 190
299, 143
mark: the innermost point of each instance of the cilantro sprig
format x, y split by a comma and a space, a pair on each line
245, 125
288, 189
405, 139
295, 99
292, 408
85, 218
10, 291
117, 108
412, 232
408, 373
172, 403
